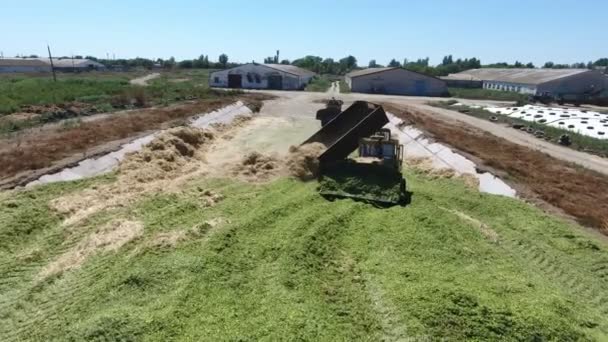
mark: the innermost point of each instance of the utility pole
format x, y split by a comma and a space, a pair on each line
52, 66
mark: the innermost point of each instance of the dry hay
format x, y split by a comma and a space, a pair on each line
172, 238
209, 197
165, 154
237, 121
107, 238
303, 162
18, 117
257, 167
173, 155
425, 165
483, 228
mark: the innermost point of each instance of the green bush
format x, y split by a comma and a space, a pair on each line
318, 84
486, 94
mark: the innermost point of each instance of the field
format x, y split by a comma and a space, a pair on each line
454, 264
579, 141
200, 237
485, 94
32, 101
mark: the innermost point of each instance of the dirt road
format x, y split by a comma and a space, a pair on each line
586, 160
143, 81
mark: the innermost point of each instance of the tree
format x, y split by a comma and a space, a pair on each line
549, 65
285, 61
530, 65
394, 63
202, 62
447, 60
347, 64
170, 63
372, 64
601, 62
185, 64
223, 59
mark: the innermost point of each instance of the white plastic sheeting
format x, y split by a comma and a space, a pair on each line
441, 156
584, 122
108, 162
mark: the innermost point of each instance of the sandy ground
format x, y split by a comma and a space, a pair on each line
143, 81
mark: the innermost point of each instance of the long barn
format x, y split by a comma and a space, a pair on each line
395, 81
538, 81
262, 76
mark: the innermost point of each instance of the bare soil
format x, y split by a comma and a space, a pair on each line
579, 192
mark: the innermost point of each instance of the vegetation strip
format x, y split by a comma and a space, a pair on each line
577, 191
552, 134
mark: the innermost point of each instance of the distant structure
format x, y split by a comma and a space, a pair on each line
20, 65
262, 76
395, 81
534, 81
75, 65
42, 65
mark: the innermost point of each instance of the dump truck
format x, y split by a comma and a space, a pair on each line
374, 173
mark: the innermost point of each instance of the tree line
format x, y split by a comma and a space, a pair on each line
321, 65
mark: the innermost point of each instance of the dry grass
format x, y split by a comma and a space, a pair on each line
577, 191
108, 238
302, 161
38, 150
425, 165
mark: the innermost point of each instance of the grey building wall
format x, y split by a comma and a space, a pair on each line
397, 82
256, 76
508, 86
577, 84
24, 69
463, 83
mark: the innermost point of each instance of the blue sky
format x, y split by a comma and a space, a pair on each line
508, 30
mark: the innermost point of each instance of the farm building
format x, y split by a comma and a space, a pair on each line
462, 81
262, 76
395, 81
537, 81
75, 65
20, 65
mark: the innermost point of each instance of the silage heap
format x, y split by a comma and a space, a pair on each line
162, 165
364, 181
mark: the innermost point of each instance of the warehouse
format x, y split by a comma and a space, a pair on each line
538, 81
19, 65
395, 81
75, 65
262, 76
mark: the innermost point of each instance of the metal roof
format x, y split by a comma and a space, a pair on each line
290, 69
69, 63
368, 71
521, 76
20, 62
